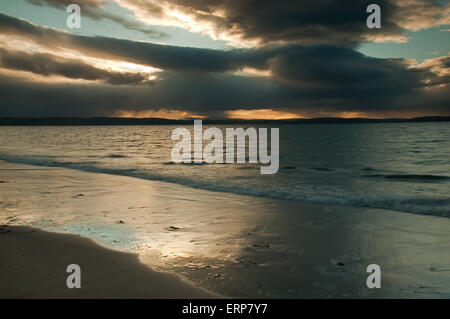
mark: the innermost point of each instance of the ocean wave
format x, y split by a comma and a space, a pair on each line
408, 177
115, 156
424, 206
322, 169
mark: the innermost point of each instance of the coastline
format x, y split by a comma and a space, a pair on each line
34, 262
234, 245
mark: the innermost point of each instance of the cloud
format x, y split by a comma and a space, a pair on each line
95, 10
245, 23
49, 65
212, 94
157, 55
298, 79
417, 15
310, 65
440, 68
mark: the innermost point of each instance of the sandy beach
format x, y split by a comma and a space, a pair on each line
245, 150
128, 234
33, 263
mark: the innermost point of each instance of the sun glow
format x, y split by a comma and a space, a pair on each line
262, 114
172, 15
161, 113
30, 47
246, 71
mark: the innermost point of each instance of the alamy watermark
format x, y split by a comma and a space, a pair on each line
374, 19
374, 279
74, 18
74, 279
213, 152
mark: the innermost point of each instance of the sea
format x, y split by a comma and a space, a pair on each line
397, 166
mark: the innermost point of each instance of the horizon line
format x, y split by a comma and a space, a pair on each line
108, 120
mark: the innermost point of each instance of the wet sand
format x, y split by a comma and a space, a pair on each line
235, 245
34, 265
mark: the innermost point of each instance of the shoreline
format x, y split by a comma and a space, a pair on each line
257, 194
235, 245
34, 266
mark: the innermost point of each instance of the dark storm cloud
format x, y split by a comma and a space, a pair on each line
320, 21
207, 94
157, 55
47, 64
337, 67
321, 78
94, 10
307, 66
243, 22
204, 92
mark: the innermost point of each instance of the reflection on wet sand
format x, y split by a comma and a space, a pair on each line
232, 244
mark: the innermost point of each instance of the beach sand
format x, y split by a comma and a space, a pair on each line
232, 245
34, 265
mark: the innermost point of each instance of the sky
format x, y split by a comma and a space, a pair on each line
224, 59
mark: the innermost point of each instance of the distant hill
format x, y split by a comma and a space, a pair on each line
157, 121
